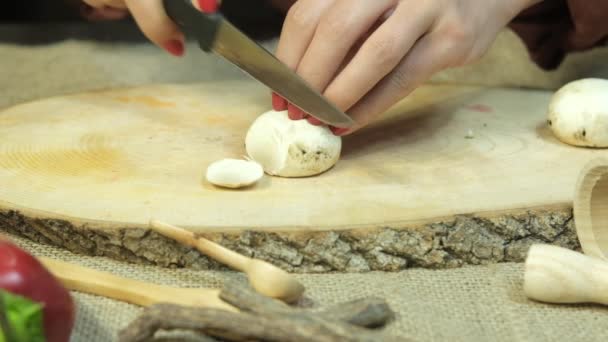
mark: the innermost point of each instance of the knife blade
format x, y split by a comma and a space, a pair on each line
216, 34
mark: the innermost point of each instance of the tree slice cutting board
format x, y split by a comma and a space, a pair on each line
116, 158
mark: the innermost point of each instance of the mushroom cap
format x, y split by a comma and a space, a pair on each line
578, 113
291, 148
234, 173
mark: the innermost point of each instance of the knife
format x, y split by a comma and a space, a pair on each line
216, 34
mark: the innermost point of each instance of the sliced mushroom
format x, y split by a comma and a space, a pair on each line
234, 173
289, 148
578, 113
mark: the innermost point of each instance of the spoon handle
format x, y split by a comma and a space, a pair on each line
559, 275
87, 280
209, 248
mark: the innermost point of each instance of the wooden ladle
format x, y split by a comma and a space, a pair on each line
265, 278
87, 280
559, 275
555, 274
591, 208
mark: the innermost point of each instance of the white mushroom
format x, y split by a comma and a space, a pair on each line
234, 173
578, 113
289, 148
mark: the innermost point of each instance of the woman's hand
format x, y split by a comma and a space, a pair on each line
150, 16
365, 56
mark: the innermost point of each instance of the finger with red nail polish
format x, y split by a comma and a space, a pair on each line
314, 121
208, 6
294, 112
278, 102
174, 47
154, 22
338, 131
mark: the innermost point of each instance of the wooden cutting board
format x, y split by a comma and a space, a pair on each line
125, 155
117, 158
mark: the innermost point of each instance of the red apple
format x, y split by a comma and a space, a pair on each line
23, 275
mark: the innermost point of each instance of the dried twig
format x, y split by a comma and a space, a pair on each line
368, 312
245, 298
265, 319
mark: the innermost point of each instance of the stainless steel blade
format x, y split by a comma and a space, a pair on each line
256, 61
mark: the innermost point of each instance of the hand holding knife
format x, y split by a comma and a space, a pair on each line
215, 34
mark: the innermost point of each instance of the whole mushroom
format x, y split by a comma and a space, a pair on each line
289, 148
578, 113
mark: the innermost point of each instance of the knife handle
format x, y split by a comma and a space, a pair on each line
208, 6
195, 22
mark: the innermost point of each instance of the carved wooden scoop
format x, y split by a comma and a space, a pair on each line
87, 280
264, 277
559, 275
591, 208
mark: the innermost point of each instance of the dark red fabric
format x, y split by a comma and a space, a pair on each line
553, 28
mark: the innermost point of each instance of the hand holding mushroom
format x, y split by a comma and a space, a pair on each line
365, 56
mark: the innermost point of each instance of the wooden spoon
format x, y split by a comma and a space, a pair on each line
558, 275
591, 208
87, 280
264, 277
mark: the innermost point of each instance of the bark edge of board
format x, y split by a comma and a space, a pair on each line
471, 239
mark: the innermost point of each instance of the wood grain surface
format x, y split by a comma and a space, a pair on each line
126, 156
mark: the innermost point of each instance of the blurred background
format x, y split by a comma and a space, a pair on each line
47, 48
258, 18
35, 10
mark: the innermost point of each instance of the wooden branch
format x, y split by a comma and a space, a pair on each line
211, 322
369, 312
243, 297
245, 326
265, 319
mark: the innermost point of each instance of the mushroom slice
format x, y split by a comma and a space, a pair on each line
234, 173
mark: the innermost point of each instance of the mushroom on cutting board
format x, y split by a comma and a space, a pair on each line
578, 113
289, 148
234, 173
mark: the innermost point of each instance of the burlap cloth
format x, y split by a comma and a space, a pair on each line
483, 303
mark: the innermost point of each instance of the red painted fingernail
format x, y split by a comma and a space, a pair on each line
294, 112
208, 6
314, 121
175, 47
338, 131
278, 103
